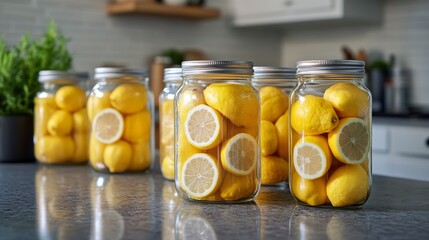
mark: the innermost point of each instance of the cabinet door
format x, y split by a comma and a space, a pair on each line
380, 139
246, 8
297, 6
255, 8
411, 141
259, 12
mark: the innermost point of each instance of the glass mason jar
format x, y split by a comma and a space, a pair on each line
274, 85
172, 81
217, 132
330, 146
120, 109
60, 119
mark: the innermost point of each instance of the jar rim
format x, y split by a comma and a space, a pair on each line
173, 74
115, 72
53, 75
263, 73
217, 67
331, 66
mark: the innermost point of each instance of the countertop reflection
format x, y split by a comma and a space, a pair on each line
75, 202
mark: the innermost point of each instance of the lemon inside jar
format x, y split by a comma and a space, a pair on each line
121, 114
217, 126
331, 122
61, 124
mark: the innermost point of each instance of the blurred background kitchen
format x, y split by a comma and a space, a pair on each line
390, 35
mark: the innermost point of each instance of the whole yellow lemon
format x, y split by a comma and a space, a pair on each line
96, 152
97, 102
80, 121
308, 191
237, 187
129, 98
348, 99
269, 140
141, 159
137, 126
46, 100
282, 135
348, 186
70, 98
312, 115
274, 170
189, 97
42, 114
166, 126
60, 123
55, 149
274, 103
118, 156
81, 147
167, 168
238, 103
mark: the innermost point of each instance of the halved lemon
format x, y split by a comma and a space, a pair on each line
200, 175
203, 127
108, 126
350, 141
239, 154
312, 157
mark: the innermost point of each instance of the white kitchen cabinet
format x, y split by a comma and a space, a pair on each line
401, 150
270, 12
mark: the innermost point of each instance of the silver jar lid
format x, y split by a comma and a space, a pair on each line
113, 72
172, 74
351, 67
52, 75
217, 67
264, 72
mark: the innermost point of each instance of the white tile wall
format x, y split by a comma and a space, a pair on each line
404, 32
133, 40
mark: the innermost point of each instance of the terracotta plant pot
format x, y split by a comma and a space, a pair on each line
16, 139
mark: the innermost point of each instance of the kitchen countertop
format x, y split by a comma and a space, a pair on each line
75, 202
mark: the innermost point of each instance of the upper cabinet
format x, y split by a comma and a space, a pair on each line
270, 12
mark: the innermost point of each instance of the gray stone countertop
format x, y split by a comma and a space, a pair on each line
75, 202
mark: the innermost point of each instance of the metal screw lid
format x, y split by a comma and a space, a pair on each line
173, 74
264, 72
113, 72
51, 75
217, 67
351, 67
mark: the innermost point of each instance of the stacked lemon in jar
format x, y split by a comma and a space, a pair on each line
217, 153
172, 81
331, 123
61, 124
274, 85
120, 112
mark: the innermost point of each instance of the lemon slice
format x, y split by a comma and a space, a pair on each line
108, 126
350, 141
203, 127
312, 157
200, 175
239, 154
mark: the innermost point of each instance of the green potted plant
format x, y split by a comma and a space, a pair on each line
19, 69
